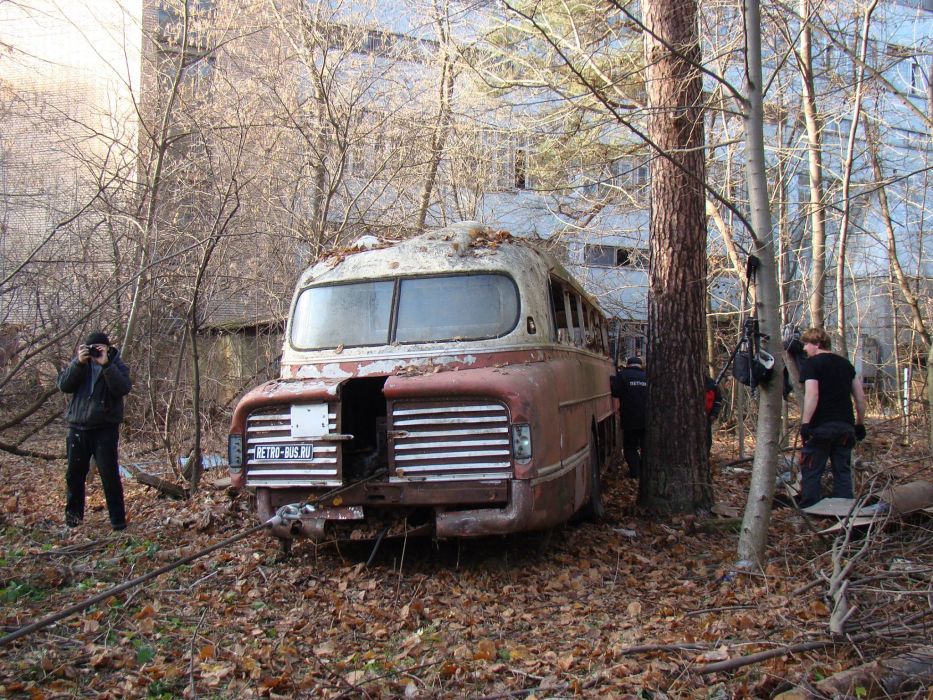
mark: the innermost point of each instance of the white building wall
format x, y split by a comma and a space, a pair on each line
69, 79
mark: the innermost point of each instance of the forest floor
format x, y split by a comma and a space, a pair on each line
629, 607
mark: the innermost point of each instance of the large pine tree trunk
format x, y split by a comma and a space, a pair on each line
675, 478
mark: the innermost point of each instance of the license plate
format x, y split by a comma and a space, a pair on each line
284, 453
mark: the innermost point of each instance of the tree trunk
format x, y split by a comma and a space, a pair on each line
846, 184
917, 322
815, 155
152, 192
930, 390
675, 478
442, 124
754, 534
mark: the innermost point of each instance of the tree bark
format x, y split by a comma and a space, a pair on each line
917, 322
846, 185
442, 124
815, 158
754, 534
675, 478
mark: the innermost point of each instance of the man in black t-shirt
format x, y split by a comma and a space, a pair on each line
630, 386
828, 426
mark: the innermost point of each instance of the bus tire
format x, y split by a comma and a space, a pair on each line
594, 510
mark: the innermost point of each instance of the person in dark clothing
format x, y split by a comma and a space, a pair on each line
97, 380
828, 426
713, 400
630, 386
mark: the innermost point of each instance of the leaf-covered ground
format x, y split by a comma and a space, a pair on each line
628, 606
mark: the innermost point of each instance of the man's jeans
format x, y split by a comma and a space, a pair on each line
831, 441
101, 444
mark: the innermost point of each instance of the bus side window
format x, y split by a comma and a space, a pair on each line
576, 317
593, 334
559, 311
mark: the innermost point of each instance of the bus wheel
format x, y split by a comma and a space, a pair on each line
594, 510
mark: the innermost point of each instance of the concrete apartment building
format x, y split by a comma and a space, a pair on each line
94, 75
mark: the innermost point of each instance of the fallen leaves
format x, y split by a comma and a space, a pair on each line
559, 612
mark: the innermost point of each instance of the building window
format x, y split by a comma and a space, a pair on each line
612, 256
917, 79
521, 179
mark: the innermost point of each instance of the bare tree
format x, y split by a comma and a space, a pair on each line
757, 517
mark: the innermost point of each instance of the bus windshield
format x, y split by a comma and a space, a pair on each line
426, 309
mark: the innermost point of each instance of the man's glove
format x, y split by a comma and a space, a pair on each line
860, 432
806, 432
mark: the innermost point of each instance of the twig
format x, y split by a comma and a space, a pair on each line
194, 636
642, 648
203, 578
738, 662
732, 664
523, 691
839, 581
75, 549
701, 611
403, 672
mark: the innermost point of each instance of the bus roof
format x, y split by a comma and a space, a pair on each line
462, 247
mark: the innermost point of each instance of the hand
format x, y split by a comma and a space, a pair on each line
100, 354
84, 354
860, 432
806, 432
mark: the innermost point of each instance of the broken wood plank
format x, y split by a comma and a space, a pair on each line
167, 487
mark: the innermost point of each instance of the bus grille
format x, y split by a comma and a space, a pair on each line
451, 442
273, 427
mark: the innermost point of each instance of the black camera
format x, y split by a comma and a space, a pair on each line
94, 351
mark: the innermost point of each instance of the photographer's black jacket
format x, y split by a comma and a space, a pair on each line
101, 404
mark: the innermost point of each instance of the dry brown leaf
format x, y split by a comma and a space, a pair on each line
485, 650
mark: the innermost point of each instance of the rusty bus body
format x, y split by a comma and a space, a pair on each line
458, 381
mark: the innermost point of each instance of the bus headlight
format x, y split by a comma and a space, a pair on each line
521, 442
235, 452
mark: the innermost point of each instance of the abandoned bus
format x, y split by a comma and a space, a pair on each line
454, 383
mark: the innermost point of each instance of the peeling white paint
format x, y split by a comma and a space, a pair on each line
390, 366
298, 387
330, 371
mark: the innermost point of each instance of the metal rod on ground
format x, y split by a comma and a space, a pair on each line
78, 607
382, 533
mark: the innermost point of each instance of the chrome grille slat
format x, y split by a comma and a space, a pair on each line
323, 460
444, 409
292, 472
439, 456
434, 445
450, 421
456, 433
448, 468
450, 442
489, 478
292, 481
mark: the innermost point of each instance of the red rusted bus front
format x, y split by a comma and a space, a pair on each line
457, 382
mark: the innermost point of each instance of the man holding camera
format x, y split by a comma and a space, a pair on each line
97, 380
